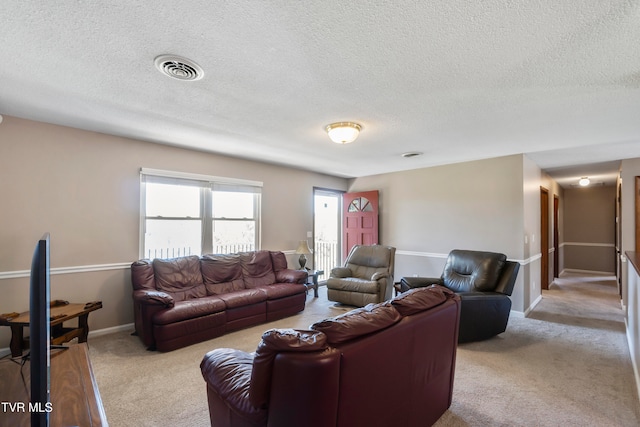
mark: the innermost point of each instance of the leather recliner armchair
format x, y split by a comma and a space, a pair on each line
365, 278
484, 281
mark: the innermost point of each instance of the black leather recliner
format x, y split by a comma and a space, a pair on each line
484, 281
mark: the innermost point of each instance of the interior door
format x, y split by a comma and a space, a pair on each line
544, 237
556, 237
359, 220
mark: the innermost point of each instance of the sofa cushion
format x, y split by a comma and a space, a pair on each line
243, 297
180, 277
189, 309
420, 299
257, 269
279, 261
142, 275
221, 273
282, 290
358, 322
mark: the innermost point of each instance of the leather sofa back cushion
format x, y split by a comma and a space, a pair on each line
142, 275
358, 322
468, 271
257, 269
273, 342
279, 261
180, 277
222, 273
420, 299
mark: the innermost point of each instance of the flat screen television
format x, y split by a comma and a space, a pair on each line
39, 334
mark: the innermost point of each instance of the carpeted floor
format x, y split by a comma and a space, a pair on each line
567, 364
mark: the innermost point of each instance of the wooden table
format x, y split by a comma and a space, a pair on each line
75, 399
60, 313
313, 275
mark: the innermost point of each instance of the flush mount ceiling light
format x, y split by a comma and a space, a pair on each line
178, 68
584, 181
343, 132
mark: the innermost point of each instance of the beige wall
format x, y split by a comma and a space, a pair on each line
83, 188
530, 291
479, 205
589, 230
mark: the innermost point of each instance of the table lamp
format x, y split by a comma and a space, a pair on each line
303, 249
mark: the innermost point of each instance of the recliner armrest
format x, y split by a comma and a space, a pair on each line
341, 272
407, 283
380, 275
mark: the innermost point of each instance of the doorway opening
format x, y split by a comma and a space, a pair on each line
327, 229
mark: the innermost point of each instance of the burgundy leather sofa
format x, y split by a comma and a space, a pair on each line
386, 364
182, 301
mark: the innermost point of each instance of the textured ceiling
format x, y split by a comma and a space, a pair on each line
455, 80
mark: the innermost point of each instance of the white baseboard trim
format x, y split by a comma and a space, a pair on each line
518, 314
532, 306
600, 273
111, 330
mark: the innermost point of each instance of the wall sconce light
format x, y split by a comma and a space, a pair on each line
584, 181
303, 249
343, 132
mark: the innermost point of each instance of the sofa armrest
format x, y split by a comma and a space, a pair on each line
407, 283
146, 303
341, 272
291, 276
144, 296
227, 372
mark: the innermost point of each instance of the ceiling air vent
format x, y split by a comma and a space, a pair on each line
411, 154
178, 67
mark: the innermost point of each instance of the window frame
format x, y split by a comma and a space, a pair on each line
207, 184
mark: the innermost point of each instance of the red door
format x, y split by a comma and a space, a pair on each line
359, 220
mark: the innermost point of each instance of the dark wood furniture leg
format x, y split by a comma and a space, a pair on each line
315, 285
16, 343
83, 325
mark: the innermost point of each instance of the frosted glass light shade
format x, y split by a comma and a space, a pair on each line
343, 132
584, 181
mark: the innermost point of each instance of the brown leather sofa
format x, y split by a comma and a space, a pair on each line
182, 301
387, 364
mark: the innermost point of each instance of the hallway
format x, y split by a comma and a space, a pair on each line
567, 364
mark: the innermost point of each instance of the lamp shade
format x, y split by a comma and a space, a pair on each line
343, 132
303, 248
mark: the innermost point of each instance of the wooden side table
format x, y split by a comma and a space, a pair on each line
313, 276
60, 313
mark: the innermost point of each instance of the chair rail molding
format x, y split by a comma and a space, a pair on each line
68, 270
